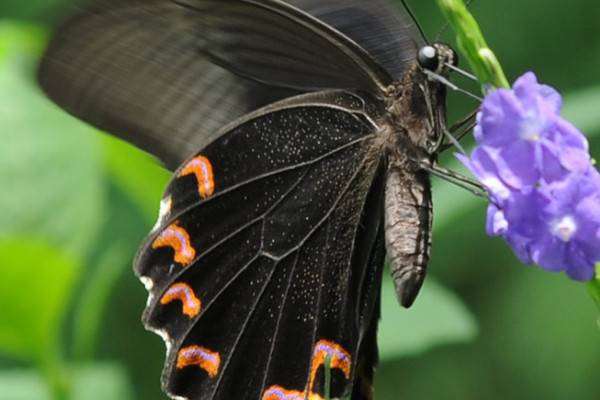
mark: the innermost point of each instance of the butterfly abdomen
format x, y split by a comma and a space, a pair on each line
408, 217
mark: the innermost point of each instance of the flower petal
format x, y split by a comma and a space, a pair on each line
482, 165
550, 254
579, 268
516, 165
499, 119
496, 224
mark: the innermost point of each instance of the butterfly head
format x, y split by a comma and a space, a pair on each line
437, 58
418, 101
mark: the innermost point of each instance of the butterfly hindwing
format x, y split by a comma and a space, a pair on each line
267, 257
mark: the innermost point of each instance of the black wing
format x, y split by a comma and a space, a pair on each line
267, 256
151, 71
388, 33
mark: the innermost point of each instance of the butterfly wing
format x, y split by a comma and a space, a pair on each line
151, 71
269, 41
387, 32
267, 256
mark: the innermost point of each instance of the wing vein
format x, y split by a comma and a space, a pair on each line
243, 330
181, 213
332, 208
217, 245
277, 324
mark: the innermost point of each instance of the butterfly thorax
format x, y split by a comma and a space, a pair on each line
415, 108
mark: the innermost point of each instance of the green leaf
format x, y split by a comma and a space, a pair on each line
30, 9
89, 311
49, 162
594, 289
137, 174
93, 382
27, 40
438, 317
543, 325
36, 284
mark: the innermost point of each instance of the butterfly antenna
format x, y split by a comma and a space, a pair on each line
414, 19
462, 72
450, 85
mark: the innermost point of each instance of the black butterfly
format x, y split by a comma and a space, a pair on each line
266, 260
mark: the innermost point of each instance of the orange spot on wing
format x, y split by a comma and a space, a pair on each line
340, 359
185, 294
199, 356
278, 393
178, 239
202, 168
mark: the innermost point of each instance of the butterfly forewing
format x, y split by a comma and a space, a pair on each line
144, 71
386, 31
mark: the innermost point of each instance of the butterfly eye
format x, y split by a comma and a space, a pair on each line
428, 58
454, 59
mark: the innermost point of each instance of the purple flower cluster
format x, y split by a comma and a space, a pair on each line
544, 191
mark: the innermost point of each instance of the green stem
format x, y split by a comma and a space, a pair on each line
327, 377
594, 289
470, 41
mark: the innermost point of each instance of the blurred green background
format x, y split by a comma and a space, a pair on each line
76, 203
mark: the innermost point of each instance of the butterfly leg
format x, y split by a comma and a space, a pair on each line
456, 178
460, 129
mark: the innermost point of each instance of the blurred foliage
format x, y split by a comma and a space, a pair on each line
89, 382
77, 203
30, 324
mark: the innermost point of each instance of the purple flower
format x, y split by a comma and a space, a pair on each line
526, 136
544, 191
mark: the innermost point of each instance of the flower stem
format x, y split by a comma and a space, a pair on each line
594, 289
471, 42
327, 377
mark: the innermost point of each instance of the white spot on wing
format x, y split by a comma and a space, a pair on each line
148, 283
177, 397
150, 300
163, 212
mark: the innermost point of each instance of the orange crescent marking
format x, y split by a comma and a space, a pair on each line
202, 168
278, 393
207, 360
185, 294
178, 239
340, 359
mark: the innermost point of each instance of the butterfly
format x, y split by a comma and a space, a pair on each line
301, 135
